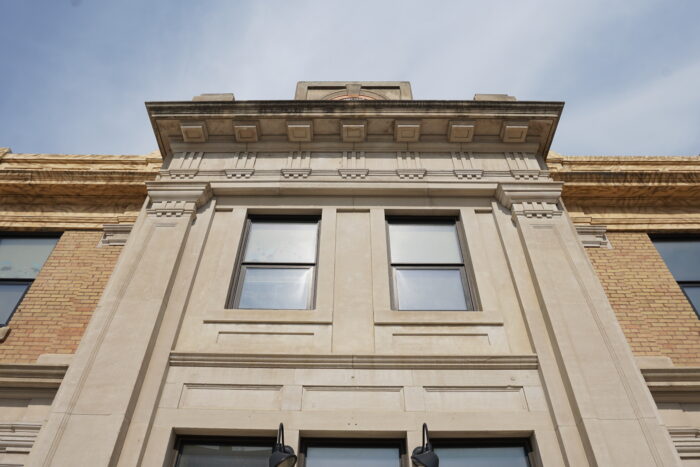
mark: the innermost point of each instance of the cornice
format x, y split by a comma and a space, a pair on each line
676, 384
308, 122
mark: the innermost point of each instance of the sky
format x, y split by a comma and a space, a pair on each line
75, 73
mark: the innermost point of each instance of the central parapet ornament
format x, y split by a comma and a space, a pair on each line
531, 200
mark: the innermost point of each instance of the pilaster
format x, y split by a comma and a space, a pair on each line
97, 398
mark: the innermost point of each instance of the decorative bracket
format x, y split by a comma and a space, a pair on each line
169, 199
115, 234
593, 236
531, 200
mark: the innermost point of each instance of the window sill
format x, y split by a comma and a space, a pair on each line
470, 318
238, 315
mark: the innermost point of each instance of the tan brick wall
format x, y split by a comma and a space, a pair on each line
56, 309
653, 311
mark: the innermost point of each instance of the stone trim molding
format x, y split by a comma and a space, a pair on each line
18, 438
687, 441
175, 199
115, 234
675, 384
593, 236
494, 362
17, 375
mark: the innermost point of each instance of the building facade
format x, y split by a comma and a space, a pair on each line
353, 264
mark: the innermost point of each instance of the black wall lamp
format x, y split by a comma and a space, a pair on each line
424, 456
282, 456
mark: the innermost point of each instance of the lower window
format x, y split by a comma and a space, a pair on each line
11, 293
224, 452
351, 453
482, 452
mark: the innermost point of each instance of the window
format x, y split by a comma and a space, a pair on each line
427, 265
682, 256
482, 452
219, 452
351, 453
21, 259
278, 264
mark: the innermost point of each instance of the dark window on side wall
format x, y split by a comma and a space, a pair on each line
351, 453
223, 452
427, 265
682, 256
21, 259
277, 266
482, 452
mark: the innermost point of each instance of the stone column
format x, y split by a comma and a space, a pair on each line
613, 410
93, 408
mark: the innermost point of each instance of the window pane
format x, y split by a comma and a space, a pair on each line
10, 295
430, 289
693, 294
215, 455
352, 457
275, 288
281, 242
22, 258
424, 243
510, 456
682, 258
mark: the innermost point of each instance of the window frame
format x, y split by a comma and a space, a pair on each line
466, 273
234, 297
220, 440
681, 284
306, 443
524, 443
23, 280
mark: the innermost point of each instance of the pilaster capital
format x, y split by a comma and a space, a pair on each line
531, 200
175, 199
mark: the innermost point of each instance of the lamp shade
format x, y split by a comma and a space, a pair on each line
282, 456
423, 455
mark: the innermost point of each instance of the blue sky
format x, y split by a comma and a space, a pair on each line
75, 73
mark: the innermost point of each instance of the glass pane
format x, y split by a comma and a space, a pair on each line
352, 457
682, 258
214, 455
430, 289
281, 242
693, 294
507, 456
22, 258
424, 243
10, 295
276, 288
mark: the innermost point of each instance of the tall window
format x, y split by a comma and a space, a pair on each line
351, 453
278, 264
427, 265
482, 453
21, 259
682, 256
213, 452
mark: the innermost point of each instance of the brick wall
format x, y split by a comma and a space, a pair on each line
653, 311
56, 309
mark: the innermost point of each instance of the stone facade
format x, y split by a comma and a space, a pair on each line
550, 245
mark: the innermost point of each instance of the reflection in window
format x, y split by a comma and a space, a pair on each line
278, 265
352, 453
682, 256
427, 265
247, 453
21, 259
482, 453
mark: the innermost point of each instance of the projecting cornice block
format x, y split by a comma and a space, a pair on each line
460, 132
246, 132
300, 132
194, 132
407, 131
514, 132
353, 131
